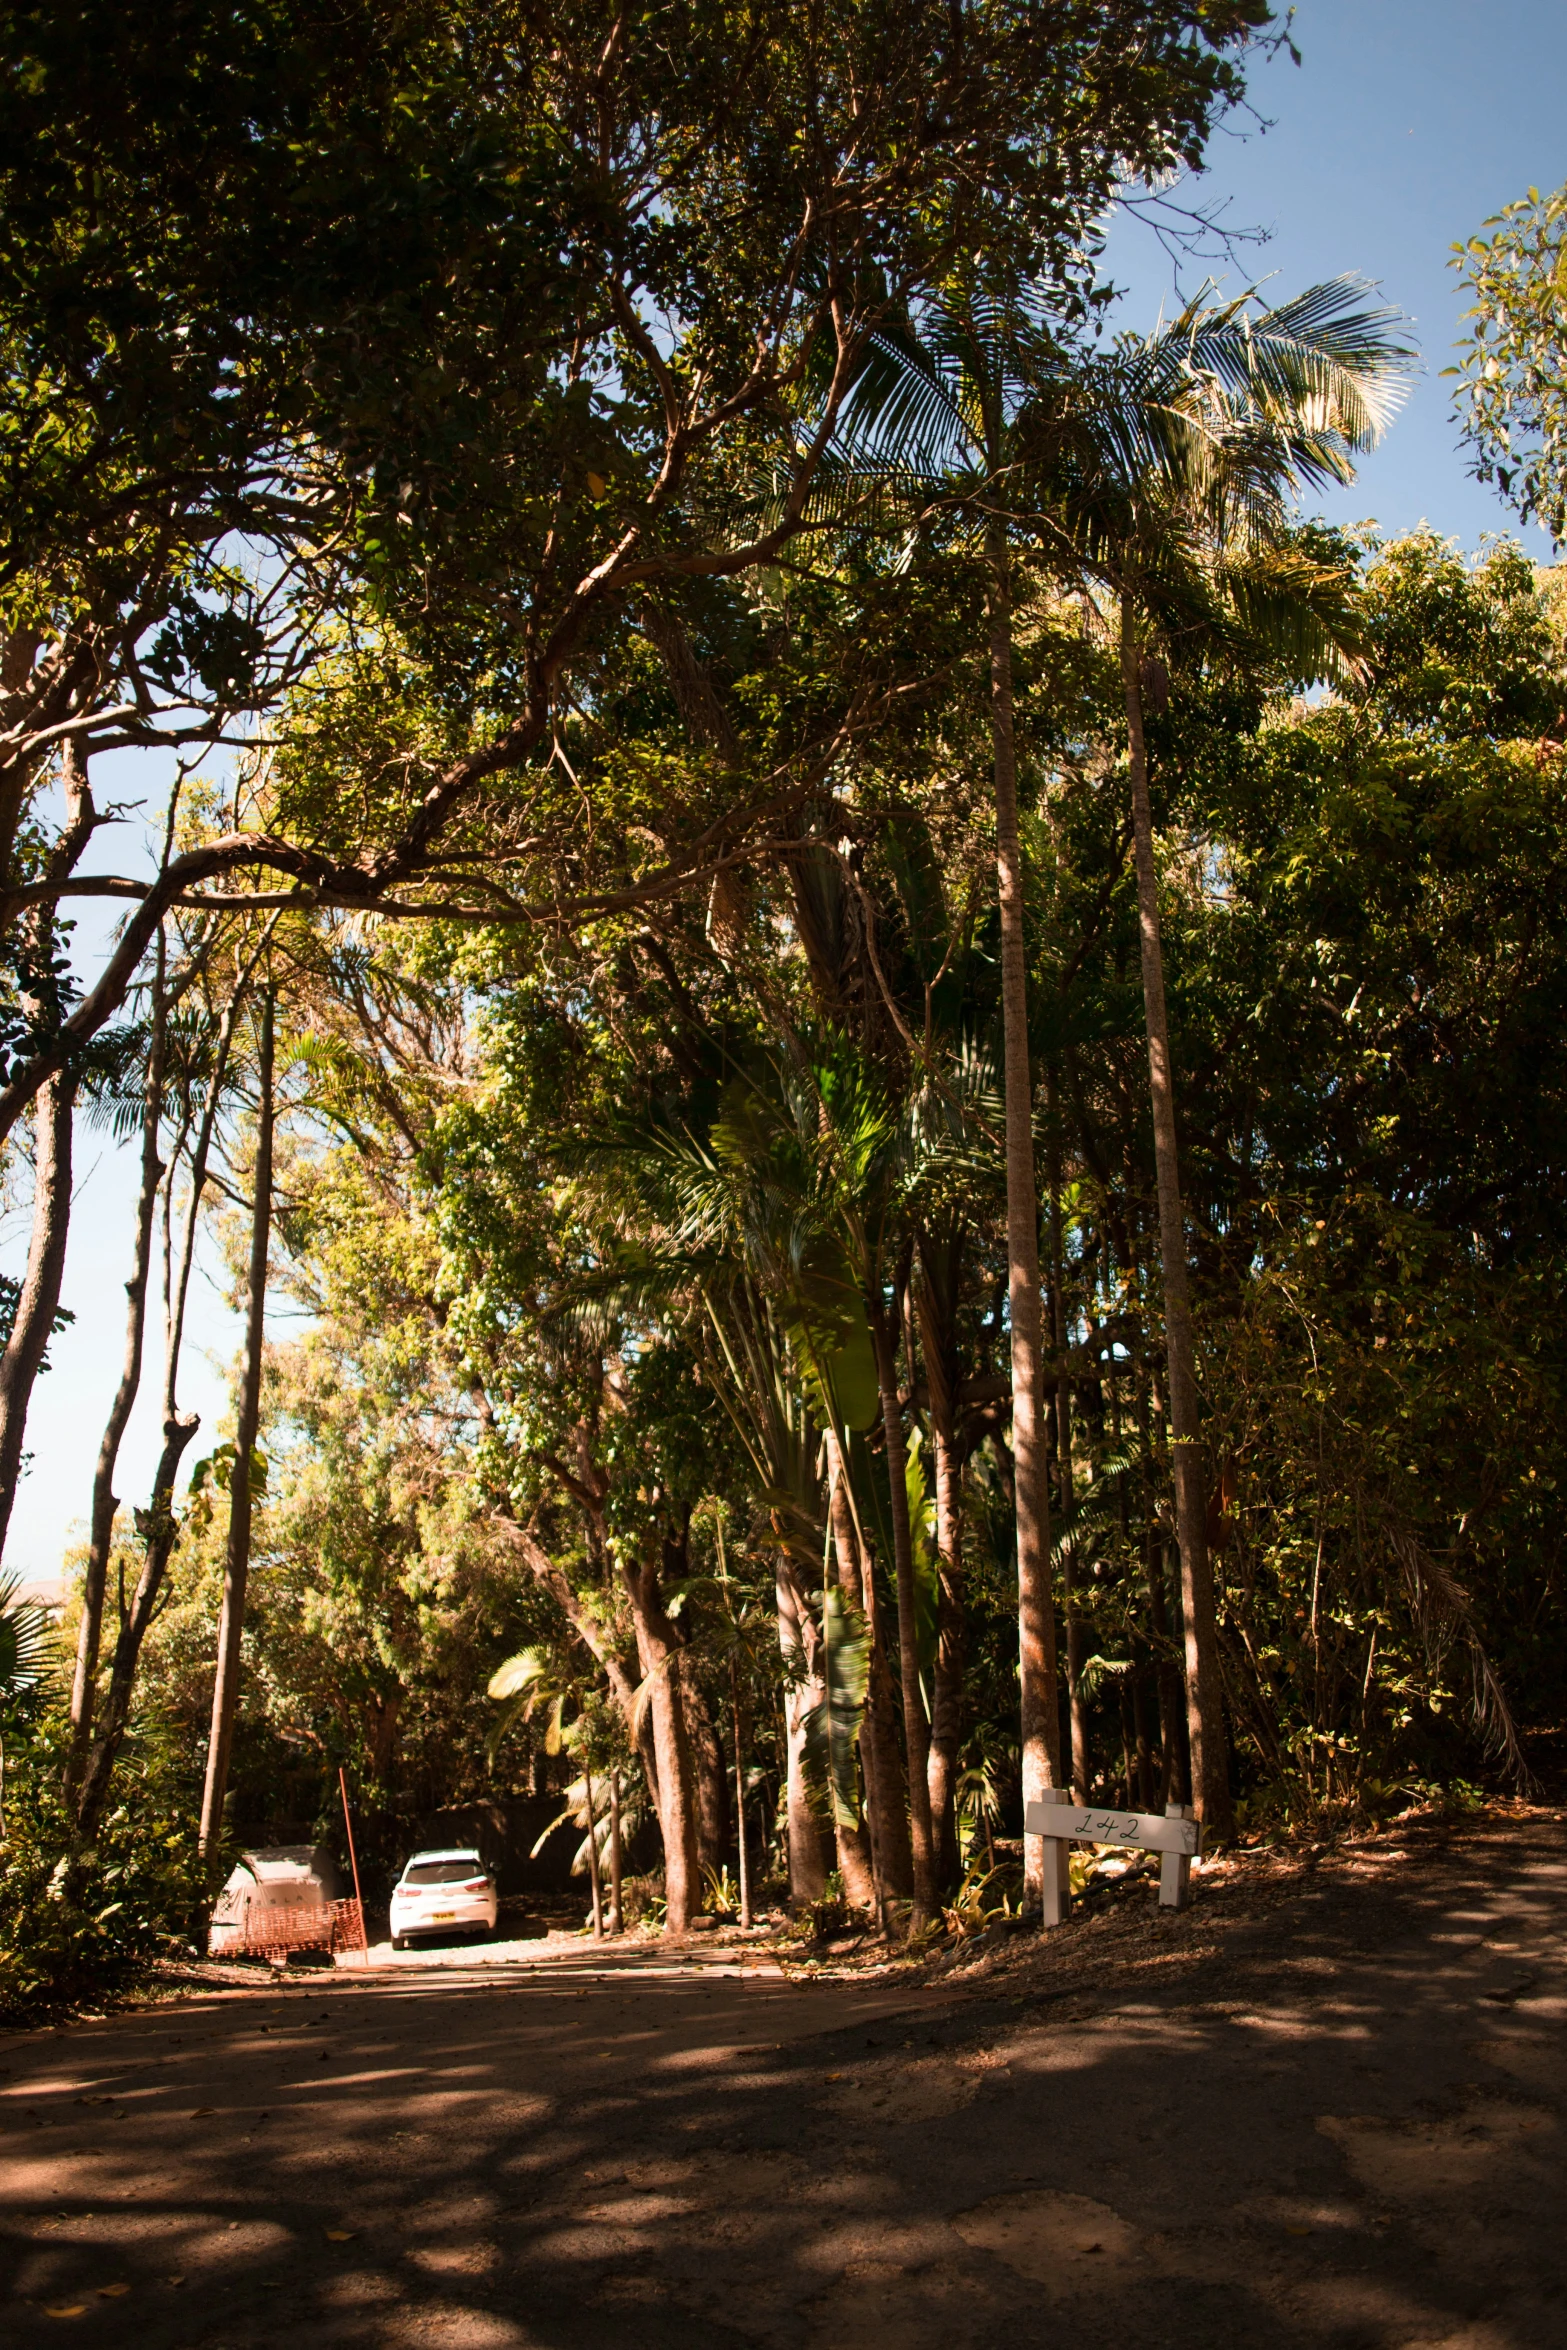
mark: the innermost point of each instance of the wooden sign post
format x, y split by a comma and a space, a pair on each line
1173, 1834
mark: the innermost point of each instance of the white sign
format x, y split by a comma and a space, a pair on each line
1152, 1831
1174, 1836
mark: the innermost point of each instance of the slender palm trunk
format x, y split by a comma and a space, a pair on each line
938, 1351
1077, 1705
740, 1834
1040, 1720
947, 1680
236, 1565
803, 1689
40, 1298
105, 1501
916, 1729
617, 1914
851, 1838
886, 1814
593, 1855
1204, 1692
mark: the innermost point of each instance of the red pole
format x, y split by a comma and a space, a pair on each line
353, 1862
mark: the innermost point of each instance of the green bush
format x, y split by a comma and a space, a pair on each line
78, 1929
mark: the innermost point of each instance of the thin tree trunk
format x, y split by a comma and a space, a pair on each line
40, 1298
947, 1690
853, 1844
711, 1777
803, 1689
105, 1501
881, 1764
39, 1301
658, 1652
158, 1524
162, 1531
1040, 1723
916, 1730
593, 1854
852, 1847
1140, 1681
1204, 1688
236, 1565
617, 1914
740, 1835
937, 1348
1077, 1707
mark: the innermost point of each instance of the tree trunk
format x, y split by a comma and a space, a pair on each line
617, 1914
885, 1811
105, 1501
740, 1834
1077, 1707
1141, 1681
161, 1528
1040, 1723
658, 1652
802, 1690
939, 1268
1204, 1688
236, 1565
916, 1729
947, 1691
40, 1298
158, 1524
52, 1124
855, 1846
593, 1854
711, 1778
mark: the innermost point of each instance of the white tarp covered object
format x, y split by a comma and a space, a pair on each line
285, 1877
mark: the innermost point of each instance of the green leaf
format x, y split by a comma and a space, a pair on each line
832, 1725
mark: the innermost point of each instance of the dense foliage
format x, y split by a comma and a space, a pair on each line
787, 810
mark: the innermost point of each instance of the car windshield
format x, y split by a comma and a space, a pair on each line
443, 1872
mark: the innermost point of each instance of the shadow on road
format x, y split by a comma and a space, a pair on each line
1335, 2120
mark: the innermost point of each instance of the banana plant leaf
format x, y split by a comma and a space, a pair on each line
831, 1336
868, 1475
871, 1499
832, 1725
927, 1569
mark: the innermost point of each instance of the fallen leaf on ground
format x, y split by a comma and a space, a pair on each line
340, 2235
199, 2111
113, 2292
174, 2280
71, 2309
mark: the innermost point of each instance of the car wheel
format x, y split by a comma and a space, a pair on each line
399, 1942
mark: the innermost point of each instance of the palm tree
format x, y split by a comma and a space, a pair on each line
1165, 471
1160, 471
936, 407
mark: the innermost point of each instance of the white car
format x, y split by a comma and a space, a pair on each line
443, 1893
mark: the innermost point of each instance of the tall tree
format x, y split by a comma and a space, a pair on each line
1165, 471
236, 1564
1511, 396
510, 458
105, 1502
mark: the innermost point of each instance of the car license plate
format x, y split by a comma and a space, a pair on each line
442, 1917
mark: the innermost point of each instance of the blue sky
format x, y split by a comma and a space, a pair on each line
1406, 125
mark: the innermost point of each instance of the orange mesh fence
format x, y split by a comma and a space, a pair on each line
272, 1932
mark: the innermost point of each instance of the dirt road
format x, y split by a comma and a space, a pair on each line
1325, 2108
